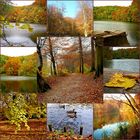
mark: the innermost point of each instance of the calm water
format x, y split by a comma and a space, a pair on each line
20, 37
131, 65
57, 117
109, 130
18, 84
132, 29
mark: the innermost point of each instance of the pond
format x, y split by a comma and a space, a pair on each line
22, 84
132, 29
57, 116
131, 65
20, 37
110, 130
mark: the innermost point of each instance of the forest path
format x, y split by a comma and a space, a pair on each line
75, 88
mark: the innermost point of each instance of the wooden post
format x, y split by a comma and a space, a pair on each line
81, 130
65, 130
50, 127
92, 55
99, 43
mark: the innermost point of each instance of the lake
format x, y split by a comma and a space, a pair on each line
58, 117
22, 84
131, 65
21, 37
132, 29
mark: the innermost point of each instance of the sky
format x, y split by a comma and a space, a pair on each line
22, 2
71, 7
17, 51
112, 2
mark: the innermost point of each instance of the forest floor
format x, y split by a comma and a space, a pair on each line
74, 88
108, 74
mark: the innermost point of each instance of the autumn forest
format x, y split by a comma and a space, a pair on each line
69, 70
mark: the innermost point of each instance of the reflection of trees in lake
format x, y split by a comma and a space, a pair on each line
105, 113
116, 110
22, 17
18, 86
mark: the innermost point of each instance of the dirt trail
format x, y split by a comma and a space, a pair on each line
75, 88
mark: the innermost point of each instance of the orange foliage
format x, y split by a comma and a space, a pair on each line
12, 66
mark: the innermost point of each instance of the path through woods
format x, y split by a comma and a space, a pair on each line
74, 88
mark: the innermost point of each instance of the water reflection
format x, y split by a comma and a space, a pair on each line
132, 29
20, 37
109, 130
22, 84
131, 65
58, 116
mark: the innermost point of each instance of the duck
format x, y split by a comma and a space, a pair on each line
71, 113
62, 106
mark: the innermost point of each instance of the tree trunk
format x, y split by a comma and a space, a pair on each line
52, 57
81, 68
41, 83
92, 56
99, 56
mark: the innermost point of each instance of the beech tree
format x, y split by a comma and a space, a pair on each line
41, 82
92, 55
12, 66
81, 67
52, 56
41, 2
84, 18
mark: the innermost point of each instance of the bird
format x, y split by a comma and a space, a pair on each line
71, 113
62, 106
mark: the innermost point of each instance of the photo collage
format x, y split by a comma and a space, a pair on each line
69, 70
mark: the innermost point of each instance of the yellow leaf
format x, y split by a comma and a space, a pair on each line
118, 80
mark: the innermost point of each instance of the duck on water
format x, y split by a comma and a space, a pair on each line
72, 113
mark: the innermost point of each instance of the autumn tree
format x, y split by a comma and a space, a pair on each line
52, 55
41, 82
81, 67
84, 18
57, 24
119, 13
49, 51
5, 6
29, 65
42, 3
69, 58
68, 54
92, 55
12, 66
55, 20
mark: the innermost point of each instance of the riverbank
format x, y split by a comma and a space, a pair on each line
18, 36
131, 29
107, 75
